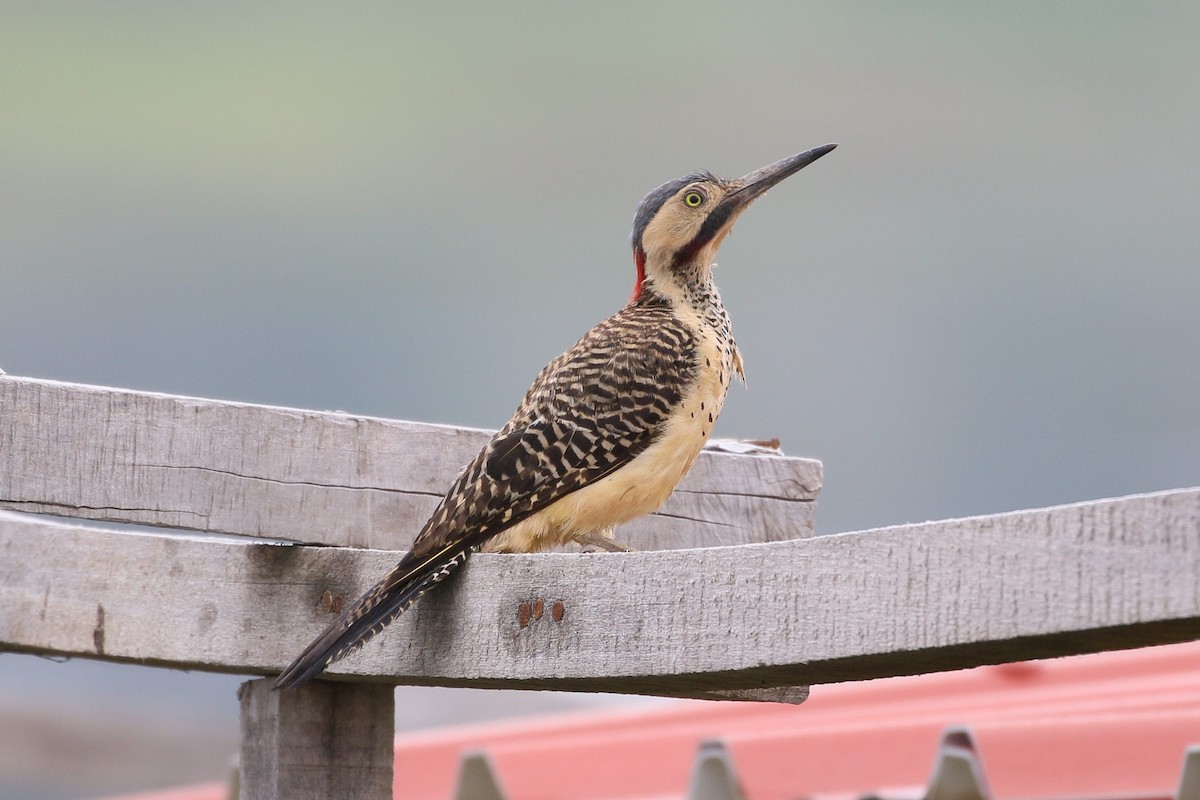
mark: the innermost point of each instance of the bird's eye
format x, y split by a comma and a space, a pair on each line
693, 199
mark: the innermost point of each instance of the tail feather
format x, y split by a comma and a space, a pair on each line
368, 615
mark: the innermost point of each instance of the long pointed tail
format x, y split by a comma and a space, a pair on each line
371, 613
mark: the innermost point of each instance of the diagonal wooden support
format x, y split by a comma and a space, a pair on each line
1094, 576
321, 741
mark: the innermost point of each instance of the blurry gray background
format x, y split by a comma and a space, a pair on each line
985, 300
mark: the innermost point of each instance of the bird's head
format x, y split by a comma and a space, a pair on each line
679, 226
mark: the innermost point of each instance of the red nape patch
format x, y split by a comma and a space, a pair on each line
639, 259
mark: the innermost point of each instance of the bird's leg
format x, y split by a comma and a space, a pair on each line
602, 539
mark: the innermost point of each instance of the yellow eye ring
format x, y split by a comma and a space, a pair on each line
693, 199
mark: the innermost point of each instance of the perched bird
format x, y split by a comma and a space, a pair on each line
606, 431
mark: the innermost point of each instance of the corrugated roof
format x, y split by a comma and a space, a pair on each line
1113, 725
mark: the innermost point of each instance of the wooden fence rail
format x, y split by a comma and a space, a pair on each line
915, 598
763, 615
317, 477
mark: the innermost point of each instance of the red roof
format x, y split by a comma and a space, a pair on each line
1112, 725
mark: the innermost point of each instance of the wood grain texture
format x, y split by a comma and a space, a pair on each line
1094, 576
323, 741
318, 477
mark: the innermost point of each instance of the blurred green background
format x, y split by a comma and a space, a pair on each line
985, 299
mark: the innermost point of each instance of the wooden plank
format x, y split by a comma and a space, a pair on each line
319, 477
324, 740
1095, 576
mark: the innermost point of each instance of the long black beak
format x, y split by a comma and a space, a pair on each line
745, 190
752, 185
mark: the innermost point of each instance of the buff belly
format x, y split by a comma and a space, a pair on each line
641, 486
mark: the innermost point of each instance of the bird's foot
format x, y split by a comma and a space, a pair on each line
601, 540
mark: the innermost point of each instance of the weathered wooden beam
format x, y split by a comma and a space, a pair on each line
1072, 579
319, 477
324, 740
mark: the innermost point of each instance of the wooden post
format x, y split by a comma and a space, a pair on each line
320, 741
